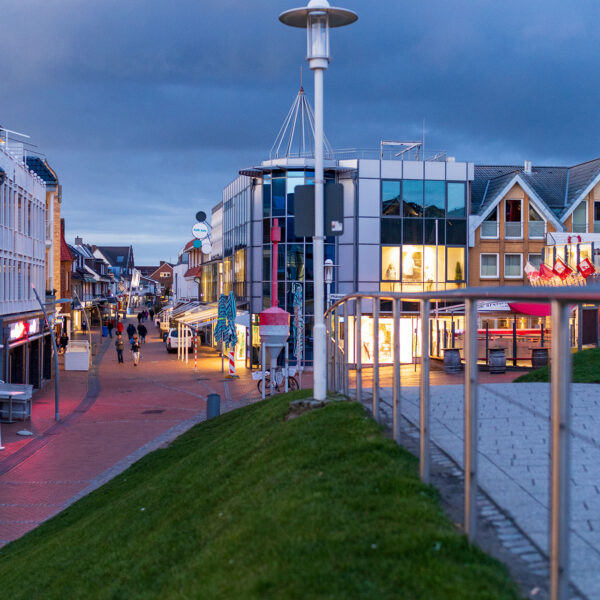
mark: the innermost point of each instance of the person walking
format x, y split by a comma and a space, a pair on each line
140, 317
119, 326
119, 345
130, 331
64, 341
135, 348
143, 332
110, 326
151, 313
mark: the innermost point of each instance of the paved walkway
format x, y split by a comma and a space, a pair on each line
110, 417
513, 458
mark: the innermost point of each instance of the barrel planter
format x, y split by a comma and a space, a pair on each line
497, 360
539, 357
452, 362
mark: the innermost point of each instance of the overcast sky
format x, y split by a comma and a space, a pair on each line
147, 109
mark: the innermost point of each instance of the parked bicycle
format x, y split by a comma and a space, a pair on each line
279, 382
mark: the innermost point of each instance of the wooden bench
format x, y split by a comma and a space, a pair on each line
15, 401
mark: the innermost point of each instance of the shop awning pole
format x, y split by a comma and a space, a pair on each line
56, 370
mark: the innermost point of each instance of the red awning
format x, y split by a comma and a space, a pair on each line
194, 272
536, 309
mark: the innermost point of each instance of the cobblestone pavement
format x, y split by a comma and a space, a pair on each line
513, 458
110, 417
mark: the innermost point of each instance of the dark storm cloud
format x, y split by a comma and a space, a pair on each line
147, 109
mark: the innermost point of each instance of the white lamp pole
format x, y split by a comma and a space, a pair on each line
317, 18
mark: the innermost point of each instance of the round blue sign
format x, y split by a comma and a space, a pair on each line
197, 243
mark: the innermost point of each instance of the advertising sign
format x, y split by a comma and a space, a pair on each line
200, 231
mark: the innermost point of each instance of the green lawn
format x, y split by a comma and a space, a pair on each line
586, 369
251, 505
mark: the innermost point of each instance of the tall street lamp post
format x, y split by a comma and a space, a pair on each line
317, 18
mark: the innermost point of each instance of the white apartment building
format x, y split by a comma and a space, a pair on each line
26, 352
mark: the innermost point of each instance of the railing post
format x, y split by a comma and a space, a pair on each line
515, 342
424, 409
396, 405
328, 354
375, 407
336, 351
358, 322
470, 453
346, 348
559, 451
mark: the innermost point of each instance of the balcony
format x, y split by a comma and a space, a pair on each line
537, 229
513, 229
581, 227
596, 226
489, 229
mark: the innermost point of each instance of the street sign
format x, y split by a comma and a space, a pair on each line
200, 230
206, 246
197, 244
201, 216
336, 297
304, 203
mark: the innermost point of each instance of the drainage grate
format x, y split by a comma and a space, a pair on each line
153, 412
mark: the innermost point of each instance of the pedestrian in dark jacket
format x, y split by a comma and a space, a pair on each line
64, 341
135, 348
140, 316
143, 332
119, 345
151, 313
130, 331
110, 326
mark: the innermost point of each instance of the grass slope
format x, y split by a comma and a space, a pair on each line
250, 505
586, 369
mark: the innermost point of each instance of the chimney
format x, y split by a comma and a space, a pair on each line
78, 241
527, 167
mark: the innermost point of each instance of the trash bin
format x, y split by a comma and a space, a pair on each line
497, 360
104, 331
452, 363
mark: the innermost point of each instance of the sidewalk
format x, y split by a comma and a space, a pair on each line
110, 417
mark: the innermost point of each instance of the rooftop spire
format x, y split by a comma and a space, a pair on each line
296, 138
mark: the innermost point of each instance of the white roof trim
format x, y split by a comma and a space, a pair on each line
539, 204
581, 197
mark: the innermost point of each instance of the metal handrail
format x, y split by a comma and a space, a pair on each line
561, 299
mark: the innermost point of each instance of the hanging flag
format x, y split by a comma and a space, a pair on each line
586, 268
561, 269
532, 273
546, 272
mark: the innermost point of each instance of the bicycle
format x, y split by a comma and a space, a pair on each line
279, 380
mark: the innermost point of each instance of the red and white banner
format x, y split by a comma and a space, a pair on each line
561, 269
586, 268
532, 273
546, 272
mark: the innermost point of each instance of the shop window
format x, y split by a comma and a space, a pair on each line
391, 231
456, 264
295, 262
513, 267
390, 198
434, 268
412, 263
435, 199
580, 218
278, 197
266, 188
390, 263
412, 197
488, 266
457, 200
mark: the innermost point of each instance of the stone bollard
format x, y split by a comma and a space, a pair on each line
213, 406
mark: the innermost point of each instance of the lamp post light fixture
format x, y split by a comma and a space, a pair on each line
328, 268
317, 18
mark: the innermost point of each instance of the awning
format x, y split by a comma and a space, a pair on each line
536, 309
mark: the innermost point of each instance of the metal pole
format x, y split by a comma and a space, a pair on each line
195, 349
396, 406
542, 335
487, 343
515, 342
358, 322
336, 351
345, 381
287, 368
263, 353
54, 348
579, 327
320, 364
375, 407
470, 453
424, 411
559, 451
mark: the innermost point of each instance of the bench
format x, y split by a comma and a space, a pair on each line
15, 401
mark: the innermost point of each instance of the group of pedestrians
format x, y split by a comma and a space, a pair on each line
144, 315
137, 337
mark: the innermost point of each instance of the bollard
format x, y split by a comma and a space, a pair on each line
213, 406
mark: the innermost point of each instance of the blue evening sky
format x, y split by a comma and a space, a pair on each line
147, 108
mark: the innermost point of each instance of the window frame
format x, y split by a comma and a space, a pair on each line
497, 255
490, 237
512, 237
584, 203
520, 255
530, 254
